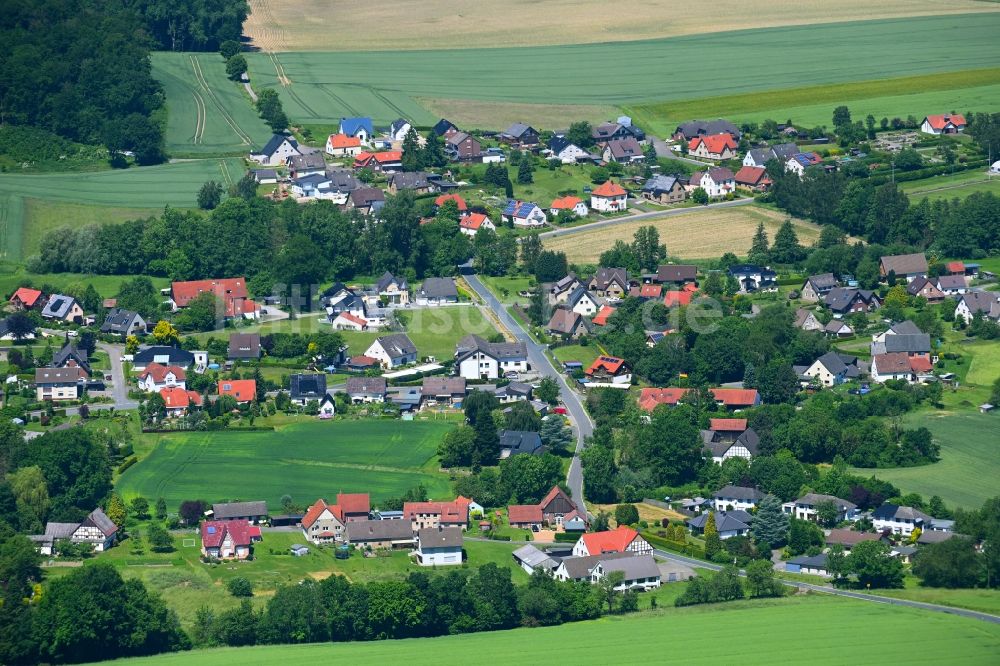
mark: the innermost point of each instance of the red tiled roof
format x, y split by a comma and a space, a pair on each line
159, 372
920, 364
524, 513
362, 360
601, 318
565, 203
184, 292
672, 298
26, 295
316, 510
254, 532
454, 197
732, 397
650, 291
213, 532
353, 319
176, 398
343, 141
727, 425
354, 502
613, 541
751, 175
449, 512
940, 120
955, 266
244, 390
715, 143
650, 398
472, 221
690, 286
608, 363
609, 188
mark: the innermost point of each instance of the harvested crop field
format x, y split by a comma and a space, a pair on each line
700, 234
318, 25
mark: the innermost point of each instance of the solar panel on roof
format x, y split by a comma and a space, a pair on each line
210, 529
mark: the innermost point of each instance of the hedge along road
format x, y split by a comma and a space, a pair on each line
541, 363
323, 87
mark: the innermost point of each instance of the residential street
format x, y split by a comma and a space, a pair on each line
119, 386
540, 362
642, 216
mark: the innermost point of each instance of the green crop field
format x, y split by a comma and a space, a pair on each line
206, 112
306, 461
321, 87
958, 185
865, 633
124, 192
813, 105
969, 470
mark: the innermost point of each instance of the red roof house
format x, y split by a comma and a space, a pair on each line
943, 123
736, 398
25, 298
619, 540
231, 291
356, 506
601, 318
227, 539
675, 298
752, 178
436, 514
608, 367
459, 201
244, 390
524, 515
713, 146
178, 400
651, 398
473, 222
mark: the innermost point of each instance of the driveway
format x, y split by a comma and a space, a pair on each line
119, 385
541, 363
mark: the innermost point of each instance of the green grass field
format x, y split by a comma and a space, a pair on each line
125, 192
325, 86
810, 629
306, 461
813, 105
969, 470
986, 601
106, 285
207, 114
958, 185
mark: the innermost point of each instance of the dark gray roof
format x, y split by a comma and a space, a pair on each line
398, 124
738, 492
58, 375
342, 179
58, 306
520, 441
626, 148
559, 143
932, 536
676, 273
659, 183
638, 566
839, 299
60, 530
307, 386
171, 356
118, 320
439, 537
580, 567
904, 328
387, 279
435, 386
725, 521
747, 439
360, 531
908, 342
264, 174
442, 126
833, 362
535, 558
311, 161
695, 127
577, 295
239, 509
563, 283
439, 287
605, 276
409, 180
823, 281
362, 385
783, 151
498, 350
69, 352
892, 511
363, 197
812, 499
518, 129
951, 282
275, 141
396, 345
811, 561
100, 520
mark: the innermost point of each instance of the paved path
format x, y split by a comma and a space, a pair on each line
119, 385
642, 216
253, 95
663, 150
541, 364
829, 589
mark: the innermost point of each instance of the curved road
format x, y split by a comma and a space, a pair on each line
641, 216
541, 363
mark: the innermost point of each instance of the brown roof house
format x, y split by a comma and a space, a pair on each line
244, 346
904, 266
567, 324
610, 282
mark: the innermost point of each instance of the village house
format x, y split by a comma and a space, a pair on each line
911, 344
471, 223
415, 181
523, 214
848, 300
753, 278
341, 145
241, 390
439, 546
71, 356
611, 283
639, 572
228, 539
816, 287
804, 508
244, 346
752, 179
96, 530
393, 351
444, 127
609, 370
430, 515
437, 291
729, 438
566, 151
529, 558
393, 290
26, 298
848, 538
58, 384
729, 524
521, 135
926, 289
346, 321
945, 123
398, 129
898, 365
264, 176
833, 369
123, 322
449, 391
517, 442
251, 512
759, 157
567, 324
664, 189
951, 285
365, 389
380, 534
736, 497
799, 162
306, 165
677, 274
974, 303
713, 147
179, 401
164, 356
475, 358
622, 539
232, 292
609, 131
904, 266
63, 308
366, 200
276, 151
815, 565
462, 147
807, 320
897, 519
324, 523
304, 388
717, 182
570, 204
359, 128
385, 161
689, 130
156, 377
623, 151
609, 197
524, 516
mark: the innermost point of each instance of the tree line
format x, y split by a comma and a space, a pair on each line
192, 25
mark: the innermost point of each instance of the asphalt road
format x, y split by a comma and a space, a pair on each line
541, 364
119, 385
863, 596
641, 216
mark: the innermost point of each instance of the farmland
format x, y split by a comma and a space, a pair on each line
124, 192
879, 634
969, 468
322, 87
958, 185
306, 461
700, 234
207, 114
311, 25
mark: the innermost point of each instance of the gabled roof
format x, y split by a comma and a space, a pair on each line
521, 441
807, 159
160, 353
97, 518
69, 352
396, 345
648, 291
244, 390
735, 397
695, 127
317, 509
601, 318
359, 385
660, 183
626, 148
714, 143
783, 151
632, 568
351, 126
891, 364
440, 537
674, 298
912, 343
473, 221
610, 364
312, 385
224, 288
676, 273
555, 493
456, 511
904, 264
244, 345
720, 174
823, 281
577, 295
367, 196
26, 295
517, 130
904, 328
812, 499
227, 510
118, 320
565, 321
275, 141
347, 316
361, 531
439, 287
354, 503
650, 398
567, 202
605, 276
342, 141
174, 397
833, 363
895, 512
498, 350
519, 209
406, 180
847, 537
159, 372
946, 282
751, 175
435, 386
608, 188
459, 201
725, 521
442, 126
840, 299
612, 541
58, 306
739, 492
59, 375
940, 121
310, 161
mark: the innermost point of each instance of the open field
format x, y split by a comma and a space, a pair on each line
813, 105
124, 191
41, 217
969, 470
986, 601
106, 285
959, 185
696, 235
206, 112
383, 458
313, 25
321, 87
879, 634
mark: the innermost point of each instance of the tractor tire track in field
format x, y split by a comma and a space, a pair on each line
5, 202
224, 168
389, 103
200, 77
200, 116
287, 84
338, 100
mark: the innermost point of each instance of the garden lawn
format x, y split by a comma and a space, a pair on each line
878, 634
958, 185
321, 87
317, 459
506, 288
969, 470
585, 355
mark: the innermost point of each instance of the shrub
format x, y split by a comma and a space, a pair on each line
240, 587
